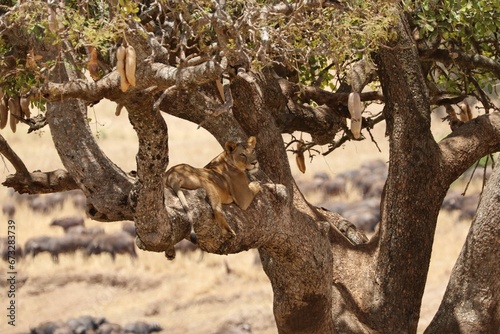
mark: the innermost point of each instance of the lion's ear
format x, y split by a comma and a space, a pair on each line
251, 141
230, 146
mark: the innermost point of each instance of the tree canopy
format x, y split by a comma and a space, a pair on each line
265, 68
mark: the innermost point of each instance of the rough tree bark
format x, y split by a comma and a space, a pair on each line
385, 291
471, 301
300, 280
322, 283
378, 287
105, 185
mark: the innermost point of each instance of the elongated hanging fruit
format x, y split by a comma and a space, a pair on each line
15, 110
355, 108
469, 111
120, 67
130, 65
15, 107
13, 123
299, 157
465, 112
4, 112
53, 24
92, 64
25, 106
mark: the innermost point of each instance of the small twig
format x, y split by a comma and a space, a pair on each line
373, 139
484, 172
482, 96
156, 105
470, 179
305, 146
322, 74
337, 144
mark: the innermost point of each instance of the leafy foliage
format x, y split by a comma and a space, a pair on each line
315, 42
32, 26
460, 27
294, 34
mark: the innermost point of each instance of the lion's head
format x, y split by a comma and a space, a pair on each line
242, 155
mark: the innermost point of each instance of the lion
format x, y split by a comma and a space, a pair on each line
223, 179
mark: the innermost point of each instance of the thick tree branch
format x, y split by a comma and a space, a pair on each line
463, 59
198, 106
257, 99
469, 143
37, 182
252, 229
41, 182
408, 212
396, 260
360, 74
155, 229
106, 186
321, 122
470, 303
156, 76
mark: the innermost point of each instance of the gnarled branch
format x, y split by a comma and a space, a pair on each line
463, 59
468, 143
155, 76
41, 182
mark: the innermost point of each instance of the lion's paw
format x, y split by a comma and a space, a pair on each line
255, 187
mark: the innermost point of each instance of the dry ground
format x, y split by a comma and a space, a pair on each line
187, 295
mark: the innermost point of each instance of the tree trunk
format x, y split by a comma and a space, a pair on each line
471, 301
411, 199
379, 286
321, 282
300, 276
383, 286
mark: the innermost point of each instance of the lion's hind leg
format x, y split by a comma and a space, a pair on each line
175, 182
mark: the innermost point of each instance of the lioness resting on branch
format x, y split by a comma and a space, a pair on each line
223, 179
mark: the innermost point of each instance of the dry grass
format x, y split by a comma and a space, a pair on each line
186, 295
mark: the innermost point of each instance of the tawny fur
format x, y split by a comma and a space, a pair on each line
224, 179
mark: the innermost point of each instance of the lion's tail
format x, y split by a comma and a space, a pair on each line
182, 198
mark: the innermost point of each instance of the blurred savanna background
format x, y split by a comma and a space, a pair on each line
196, 292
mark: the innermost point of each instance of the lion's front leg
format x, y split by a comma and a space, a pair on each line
216, 204
255, 187
222, 222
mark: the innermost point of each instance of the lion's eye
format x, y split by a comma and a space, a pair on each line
243, 155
